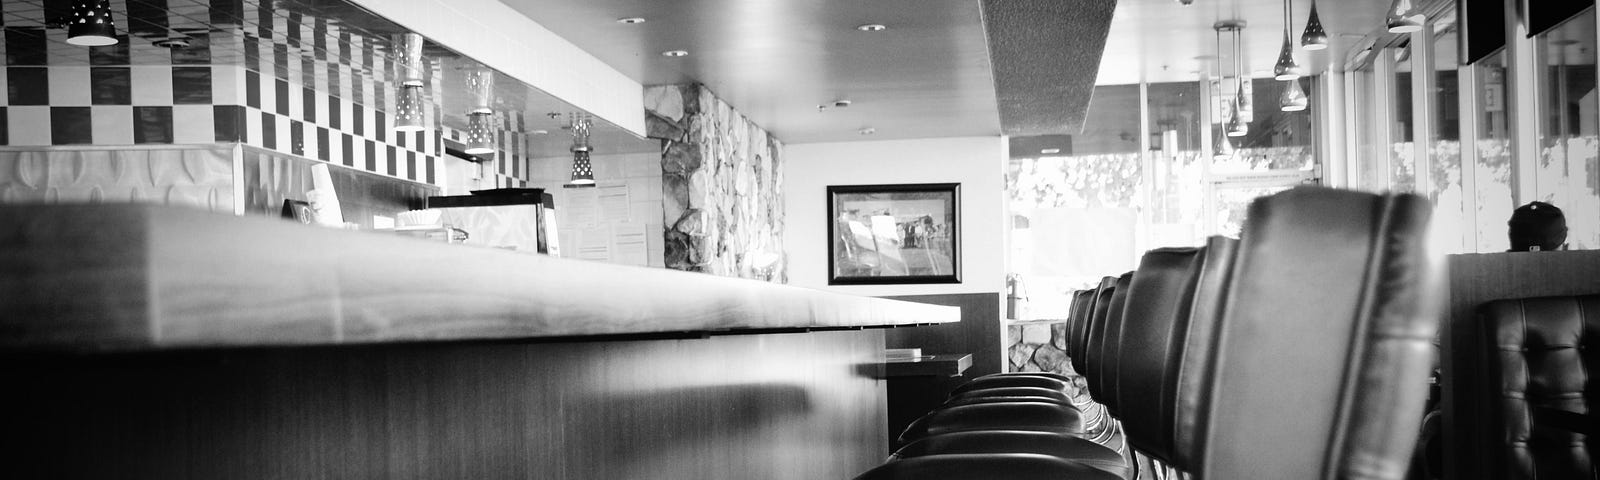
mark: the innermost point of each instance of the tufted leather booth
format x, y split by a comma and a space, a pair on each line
1104, 345
1322, 358
1156, 319
1537, 353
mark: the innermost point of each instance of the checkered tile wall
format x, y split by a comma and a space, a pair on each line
279, 80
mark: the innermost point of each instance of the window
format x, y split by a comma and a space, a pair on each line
1568, 164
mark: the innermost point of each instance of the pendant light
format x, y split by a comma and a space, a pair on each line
1403, 17
1221, 147
480, 134
582, 172
1293, 98
408, 115
1314, 38
1237, 125
1286, 69
91, 24
480, 115
408, 105
411, 68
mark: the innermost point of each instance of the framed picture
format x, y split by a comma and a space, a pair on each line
886, 234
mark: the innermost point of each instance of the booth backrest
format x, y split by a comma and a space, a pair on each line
1325, 345
1189, 381
1104, 346
1537, 353
1085, 329
1156, 319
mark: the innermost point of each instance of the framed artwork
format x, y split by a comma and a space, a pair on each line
893, 234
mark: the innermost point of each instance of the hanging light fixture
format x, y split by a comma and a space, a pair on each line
480, 114
480, 134
1403, 17
412, 70
408, 109
1293, 98
1314, 38
408, 106
91, 24
1238, 120
480, 85
1221, 147
1286, 69
582, 172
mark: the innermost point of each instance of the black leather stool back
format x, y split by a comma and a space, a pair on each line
1081, 334
1191, 374
1325, 346
1154, 324
1104, 346
1538, 354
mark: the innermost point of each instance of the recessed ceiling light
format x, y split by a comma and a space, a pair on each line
1050, 151
674, 53
540, 132
867, 131
631, 20
872, 27
841, 103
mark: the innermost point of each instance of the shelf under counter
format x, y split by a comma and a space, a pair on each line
136, 277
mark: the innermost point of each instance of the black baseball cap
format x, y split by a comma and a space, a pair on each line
1537, 226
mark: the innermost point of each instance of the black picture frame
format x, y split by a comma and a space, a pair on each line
894, 234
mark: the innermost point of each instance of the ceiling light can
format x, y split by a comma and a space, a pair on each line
872, 27
675, 53
631, 20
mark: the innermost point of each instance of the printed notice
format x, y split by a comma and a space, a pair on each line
613, 203
583, 207
628, 244
594, 244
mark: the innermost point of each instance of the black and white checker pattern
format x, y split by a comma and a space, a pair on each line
264, 75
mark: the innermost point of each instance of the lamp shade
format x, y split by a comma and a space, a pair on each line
1293, 98
582, 172
408, 110
411, 68
1221, 148
91, 24
1286, 69
1402, 17
1237, 125
1314, 38
480, 87
480, 134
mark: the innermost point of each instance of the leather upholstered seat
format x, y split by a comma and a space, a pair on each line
1324, 349
1103, 347
1156, 319
1082, 331
1069, 447
1001, 466
1538, 354
1024, 416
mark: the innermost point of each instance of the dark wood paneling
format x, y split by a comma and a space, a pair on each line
780, 406
1474, 280
978, 333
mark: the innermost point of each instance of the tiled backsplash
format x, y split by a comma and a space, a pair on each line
288, 83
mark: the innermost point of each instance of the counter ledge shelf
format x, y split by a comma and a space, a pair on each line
130, 277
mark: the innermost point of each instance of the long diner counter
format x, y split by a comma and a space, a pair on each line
132, 278
143, 342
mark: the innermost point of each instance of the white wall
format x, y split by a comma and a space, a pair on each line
640, 172
977, 163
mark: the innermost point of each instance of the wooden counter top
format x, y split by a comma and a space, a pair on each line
129, 277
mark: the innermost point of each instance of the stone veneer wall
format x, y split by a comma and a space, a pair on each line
722, 185
1038, 347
